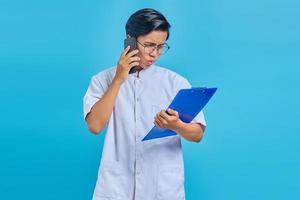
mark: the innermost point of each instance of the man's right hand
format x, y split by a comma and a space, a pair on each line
125, 63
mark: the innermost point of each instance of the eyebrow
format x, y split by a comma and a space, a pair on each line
151, 43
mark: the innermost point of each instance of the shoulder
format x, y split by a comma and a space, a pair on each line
106, 72
105, 75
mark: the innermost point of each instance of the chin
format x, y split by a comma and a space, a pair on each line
144, 66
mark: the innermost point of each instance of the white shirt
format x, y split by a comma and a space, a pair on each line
131, 169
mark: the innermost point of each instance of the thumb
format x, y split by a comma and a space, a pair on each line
172, 112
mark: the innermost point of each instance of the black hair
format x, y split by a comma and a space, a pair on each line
145, 21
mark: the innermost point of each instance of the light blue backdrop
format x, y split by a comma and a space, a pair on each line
248, 49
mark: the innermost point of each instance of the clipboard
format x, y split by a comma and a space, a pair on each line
188, 103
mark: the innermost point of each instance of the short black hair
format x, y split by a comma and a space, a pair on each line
145, 21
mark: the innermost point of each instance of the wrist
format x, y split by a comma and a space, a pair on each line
117, 81
178, 126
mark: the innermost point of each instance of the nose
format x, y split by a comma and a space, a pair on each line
154, 53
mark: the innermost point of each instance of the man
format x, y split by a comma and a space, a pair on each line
129, 102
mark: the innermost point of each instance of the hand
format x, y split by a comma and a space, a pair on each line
168, 120
125, 63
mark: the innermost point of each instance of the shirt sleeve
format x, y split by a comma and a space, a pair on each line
200, 116
94, 93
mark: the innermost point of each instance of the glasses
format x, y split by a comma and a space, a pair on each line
161, 49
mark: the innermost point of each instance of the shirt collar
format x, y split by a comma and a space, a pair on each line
144, 73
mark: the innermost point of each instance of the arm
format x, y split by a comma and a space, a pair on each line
102, 109
190, 131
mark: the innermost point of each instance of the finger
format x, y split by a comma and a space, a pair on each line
161, 121
157, 125
132, 53
163, 115
125, 51
135, 58
172, 112
134, 64
156, 120
160, 125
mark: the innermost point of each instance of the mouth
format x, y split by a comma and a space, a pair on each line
147, 63
150, 62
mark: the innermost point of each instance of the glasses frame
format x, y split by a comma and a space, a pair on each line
156, 48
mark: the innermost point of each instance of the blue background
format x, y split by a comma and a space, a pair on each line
248, 49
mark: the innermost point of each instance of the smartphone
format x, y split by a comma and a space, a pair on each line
130, 42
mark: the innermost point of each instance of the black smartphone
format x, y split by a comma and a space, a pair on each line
130, 42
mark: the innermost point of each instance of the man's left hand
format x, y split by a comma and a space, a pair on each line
169, 119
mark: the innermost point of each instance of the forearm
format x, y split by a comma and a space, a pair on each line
101, 111
190, 131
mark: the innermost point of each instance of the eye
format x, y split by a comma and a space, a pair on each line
150, 45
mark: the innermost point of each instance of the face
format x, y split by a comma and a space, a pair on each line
152, 38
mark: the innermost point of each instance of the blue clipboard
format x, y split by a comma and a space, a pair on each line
188, 103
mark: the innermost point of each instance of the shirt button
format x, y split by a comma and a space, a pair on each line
138, 99
138, 173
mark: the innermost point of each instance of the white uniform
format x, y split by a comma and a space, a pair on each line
131, 169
